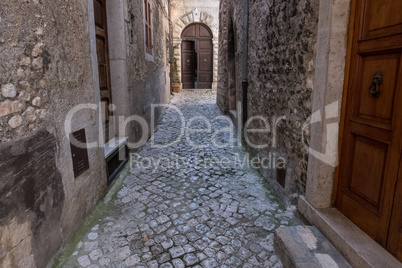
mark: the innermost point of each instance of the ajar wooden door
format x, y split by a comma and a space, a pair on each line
370, 179
102, 50
188, 64
197, 38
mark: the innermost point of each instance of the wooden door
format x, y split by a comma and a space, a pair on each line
371, 143
188, 64
102, 50
204, 54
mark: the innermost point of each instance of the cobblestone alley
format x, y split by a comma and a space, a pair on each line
188, 212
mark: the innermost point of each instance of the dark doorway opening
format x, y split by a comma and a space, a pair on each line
197, 56
232, 70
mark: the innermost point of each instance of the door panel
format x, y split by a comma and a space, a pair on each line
205, 63
379, 109
371, 147
382, 18
102, 51
368, 171
188, 64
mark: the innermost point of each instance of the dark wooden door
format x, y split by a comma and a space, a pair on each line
188, 64
204, 54
102, 50
371, 140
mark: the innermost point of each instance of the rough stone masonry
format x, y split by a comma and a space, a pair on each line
282, 38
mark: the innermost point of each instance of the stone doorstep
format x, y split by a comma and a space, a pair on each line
306, 247
356, 246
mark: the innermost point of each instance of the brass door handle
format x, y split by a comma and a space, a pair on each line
374, 89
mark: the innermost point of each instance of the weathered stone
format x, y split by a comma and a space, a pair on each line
177, 263
123, 253
8, 91
96, 254
36, 102
37, 50
209, 263
176, 252
132, 260
37, 63
190, 259
15, 121
84, 261
40, 113
25, 61
24, 85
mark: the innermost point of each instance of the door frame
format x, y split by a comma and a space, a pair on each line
203, 17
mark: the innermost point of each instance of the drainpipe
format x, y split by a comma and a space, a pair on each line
245, 62
171, 51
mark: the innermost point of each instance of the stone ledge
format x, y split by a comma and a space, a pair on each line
113, 145
355, 245
305, 246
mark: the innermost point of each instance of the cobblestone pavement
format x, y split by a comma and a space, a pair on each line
189, 212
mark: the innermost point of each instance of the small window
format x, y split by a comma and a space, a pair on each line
148, 26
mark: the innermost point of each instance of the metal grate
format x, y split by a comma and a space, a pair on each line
79, 154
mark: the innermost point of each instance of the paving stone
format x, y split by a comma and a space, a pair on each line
233, 262
153, 264
84, 261
180, 240
104, 261
167, 244
166, 265
123, 253
164, 257
190, 259
188, 248
177, 252
96, 254
132, 260
209, 263
177, 263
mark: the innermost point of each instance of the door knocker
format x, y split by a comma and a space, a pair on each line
188, 62
374, 89
205, 61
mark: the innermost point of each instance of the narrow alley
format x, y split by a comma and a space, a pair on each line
200, 215
188, 133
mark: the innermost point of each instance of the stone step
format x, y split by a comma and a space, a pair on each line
306, 247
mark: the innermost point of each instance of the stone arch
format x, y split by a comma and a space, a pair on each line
196, 16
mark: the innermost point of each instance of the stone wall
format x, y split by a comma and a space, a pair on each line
148, 80
187, 12
49, 66
282, 38
46, 69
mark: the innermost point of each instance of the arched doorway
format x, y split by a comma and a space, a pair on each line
197, 57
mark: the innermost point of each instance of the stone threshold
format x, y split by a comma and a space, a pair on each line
306, 247
356, 246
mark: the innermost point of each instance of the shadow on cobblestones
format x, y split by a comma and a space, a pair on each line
185, 212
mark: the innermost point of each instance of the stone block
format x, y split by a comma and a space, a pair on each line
15, 121
306, 246
8, 91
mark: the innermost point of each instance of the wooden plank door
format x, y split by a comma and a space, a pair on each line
202, 37
205, 57
102, 49
371, 143
395, 234
188, 64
